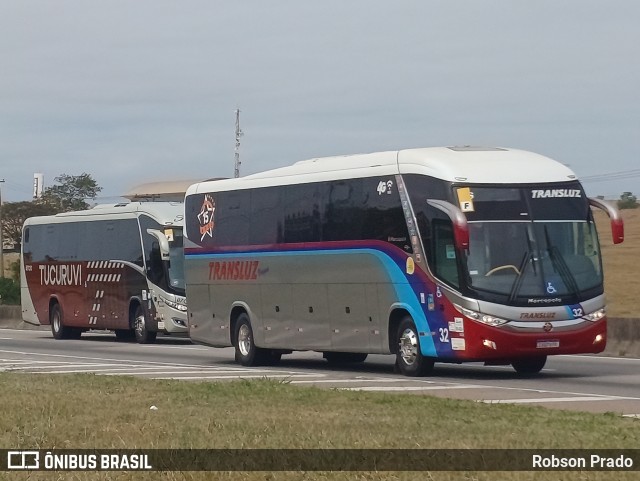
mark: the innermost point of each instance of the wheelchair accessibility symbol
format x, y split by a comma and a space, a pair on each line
551, 289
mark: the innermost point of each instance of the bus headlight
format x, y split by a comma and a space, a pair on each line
175, 305
595, 315
478, 316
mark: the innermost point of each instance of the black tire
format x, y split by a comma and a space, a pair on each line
272, 358
143, 335
125, 334
58, 329
409, 358
247, 353
529, 366
344, 357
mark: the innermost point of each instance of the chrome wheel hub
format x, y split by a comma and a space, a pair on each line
408, 346
244, 340
140, 325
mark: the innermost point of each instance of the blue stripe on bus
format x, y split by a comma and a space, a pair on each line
404, 291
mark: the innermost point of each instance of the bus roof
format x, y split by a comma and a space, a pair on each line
473, 165
165, 213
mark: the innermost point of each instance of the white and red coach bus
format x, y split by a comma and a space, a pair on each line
446, 254
114, 267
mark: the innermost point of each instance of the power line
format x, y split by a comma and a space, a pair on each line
623, 174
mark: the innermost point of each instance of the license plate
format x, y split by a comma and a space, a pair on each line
547, 344
160, 325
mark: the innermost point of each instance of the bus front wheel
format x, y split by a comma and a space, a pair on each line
409, 358
529, 366
143, 334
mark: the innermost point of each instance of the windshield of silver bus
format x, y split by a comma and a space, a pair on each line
176, 262
533, 244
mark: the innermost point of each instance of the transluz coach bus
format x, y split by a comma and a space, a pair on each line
438, 254
116, 267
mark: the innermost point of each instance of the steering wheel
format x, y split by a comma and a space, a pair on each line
499, 268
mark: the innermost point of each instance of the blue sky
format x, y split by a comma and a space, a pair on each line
132, 92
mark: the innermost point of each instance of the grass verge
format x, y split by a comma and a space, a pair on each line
88, 411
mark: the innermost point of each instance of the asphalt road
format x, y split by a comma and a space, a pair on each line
583, 383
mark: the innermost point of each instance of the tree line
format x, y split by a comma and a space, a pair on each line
70, 192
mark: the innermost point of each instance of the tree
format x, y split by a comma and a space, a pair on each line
71, 192
627, 201
15, 213
9, 291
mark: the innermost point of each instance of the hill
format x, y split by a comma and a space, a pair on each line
620, 263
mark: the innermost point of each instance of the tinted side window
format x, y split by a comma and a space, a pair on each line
303, 206
41, 244
343, 210
442, 252
434, 226
266, 226
105, 240
85, 241
232, 218
382, 215
152, 256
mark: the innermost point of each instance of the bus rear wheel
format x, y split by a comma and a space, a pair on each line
247, 353
58, 329
529, 366
409, 358
143, 334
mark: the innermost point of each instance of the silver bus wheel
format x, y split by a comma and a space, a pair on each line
247, 353
409, 358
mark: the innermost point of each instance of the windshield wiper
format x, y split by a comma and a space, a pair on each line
560, 264
517, 284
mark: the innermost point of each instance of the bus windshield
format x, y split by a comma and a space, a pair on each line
529, 243
176, 262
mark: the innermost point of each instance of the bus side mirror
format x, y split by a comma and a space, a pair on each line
617, 224
458, 219
162, 242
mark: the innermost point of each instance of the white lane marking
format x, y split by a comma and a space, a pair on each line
69, 369
211, 373
408, 388
132, 370
56, 366
160, 346
550, 400
348, 380
6, 338
120, 361
179, 378
600, 358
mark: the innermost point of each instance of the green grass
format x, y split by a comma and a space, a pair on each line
88, 411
